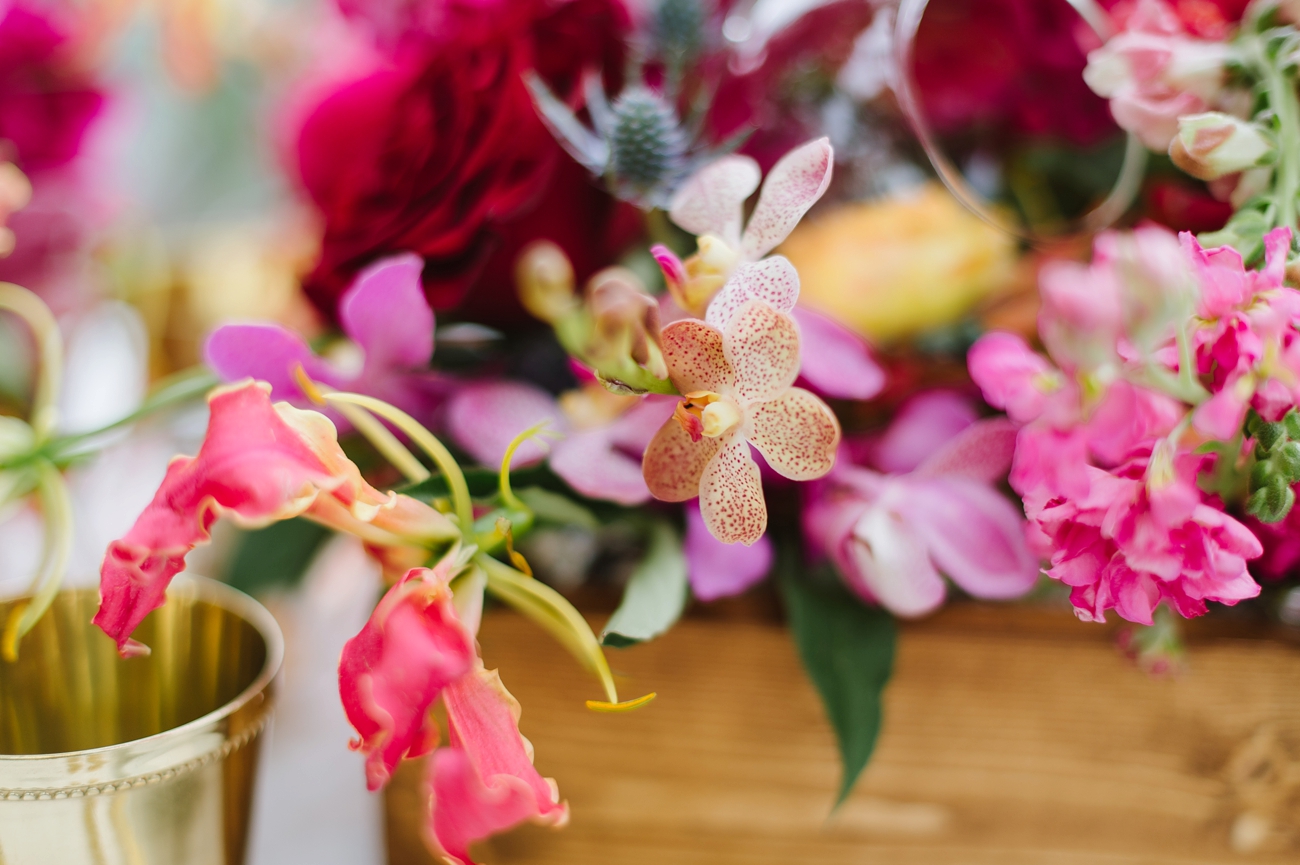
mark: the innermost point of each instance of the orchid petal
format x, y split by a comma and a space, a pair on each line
772, 280
892, 565
981, 452
695, 357
710, 201
412, 647
836, 361
266, 352
973, 533
673, 464
485, 416
796, 433
259, 463
731, 494
589, 463
718, 570
924, 424
674, 271
485, 782
385, 313
762, 346
793, 185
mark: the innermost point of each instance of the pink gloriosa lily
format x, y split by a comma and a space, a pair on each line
259, 463
738, 389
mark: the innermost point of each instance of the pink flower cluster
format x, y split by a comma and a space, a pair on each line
1109, 449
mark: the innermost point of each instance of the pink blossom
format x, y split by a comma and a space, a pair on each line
717, 570
892, 535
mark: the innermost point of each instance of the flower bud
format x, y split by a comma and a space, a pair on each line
625, 324
545, 279
1213, 144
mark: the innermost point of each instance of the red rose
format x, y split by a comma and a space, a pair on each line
441, 151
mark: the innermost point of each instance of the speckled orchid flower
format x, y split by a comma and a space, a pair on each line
738, 392
730, 264
259, 463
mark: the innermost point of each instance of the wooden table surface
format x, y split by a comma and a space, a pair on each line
1011, 736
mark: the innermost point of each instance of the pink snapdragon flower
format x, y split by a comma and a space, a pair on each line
259, 463
1247, 345
383, 313
1154, 71
891, 535
738, 389
415, 649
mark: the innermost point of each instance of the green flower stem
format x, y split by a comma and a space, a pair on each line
385, 442
1282, 98
57, 511
49, 346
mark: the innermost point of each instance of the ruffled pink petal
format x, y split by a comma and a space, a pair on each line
772, 280
483, 417
1009, 373
485, 782
974, 535
673, 463
385, 312
981, 452
731, 494
711, 200
718, 570
695, 358
924, 424
796, 433
1222, 415
588, 462
258, 463
890, 565
390, 673
266, 352
762, 346
793, 185
836, 362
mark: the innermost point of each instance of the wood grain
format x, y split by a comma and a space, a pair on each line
1011, 736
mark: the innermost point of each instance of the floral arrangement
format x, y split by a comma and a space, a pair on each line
543, 305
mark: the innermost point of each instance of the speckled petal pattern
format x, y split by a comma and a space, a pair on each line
796, 433
731, 494
694, 354
793, 185
762, 346
772, 280
711, 201
672, 464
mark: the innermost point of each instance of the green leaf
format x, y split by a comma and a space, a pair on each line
277, 555
655, 594
557, 509
848, 650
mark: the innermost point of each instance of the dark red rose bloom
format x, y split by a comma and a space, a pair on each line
1184, 205
45, 104
1014, 64
442, 151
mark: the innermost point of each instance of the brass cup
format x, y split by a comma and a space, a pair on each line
143, 761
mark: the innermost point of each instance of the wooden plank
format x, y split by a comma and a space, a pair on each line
1012, 736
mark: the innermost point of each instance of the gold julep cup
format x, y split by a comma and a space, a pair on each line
140, 761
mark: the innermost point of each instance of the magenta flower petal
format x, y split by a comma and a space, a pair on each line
588, 462
385, 313
266, 352
981, 452
924, 424
483, 417
836, 362
718, 570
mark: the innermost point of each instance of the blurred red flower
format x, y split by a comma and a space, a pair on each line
440, 150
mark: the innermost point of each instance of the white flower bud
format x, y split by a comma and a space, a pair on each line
1213, 144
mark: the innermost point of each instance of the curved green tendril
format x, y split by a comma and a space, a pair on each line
508, 497
49, 346
57, 508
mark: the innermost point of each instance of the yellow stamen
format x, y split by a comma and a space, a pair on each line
503, 529
625, 706
720, 417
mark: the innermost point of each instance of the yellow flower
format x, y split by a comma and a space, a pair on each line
896, 267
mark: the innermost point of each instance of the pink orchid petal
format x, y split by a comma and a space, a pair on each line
836, 361
673, 269
762, 346
891, 566
485, 782
588, 462
796, 433
731, 494
385, 312
258, 463
793, 185
718, 570
981, 452
483, 417
674, 464
694, 354
634, 430
411, 648
974, 534
772, 280
266, 352
924, 424
711, 200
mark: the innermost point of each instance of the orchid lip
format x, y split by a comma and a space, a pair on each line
705, 414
